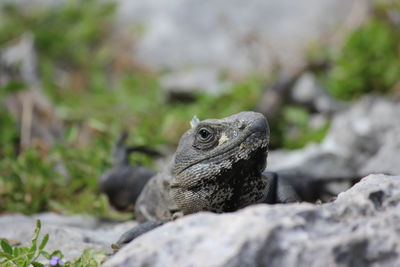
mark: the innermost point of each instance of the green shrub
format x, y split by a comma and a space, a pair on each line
370, 59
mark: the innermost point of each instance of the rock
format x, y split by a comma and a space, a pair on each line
185, 84
308, 92
229, 36
225, 36
299, 86
277, 94
360, 228
69, 234
386, 160
363, 139
23, 55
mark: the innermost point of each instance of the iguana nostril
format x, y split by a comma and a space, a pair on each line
259, 125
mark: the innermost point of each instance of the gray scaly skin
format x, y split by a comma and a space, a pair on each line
218, 167
123, 183
218, 164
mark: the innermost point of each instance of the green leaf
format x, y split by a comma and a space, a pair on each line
45, 254
19, 250
31, 253
36, 234
38, 226
5, 255
6, 247
37, 264
44, 242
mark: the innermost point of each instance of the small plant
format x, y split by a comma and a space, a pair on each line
24, 256
370, 59
33, 255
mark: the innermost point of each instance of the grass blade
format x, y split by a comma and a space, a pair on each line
6, 247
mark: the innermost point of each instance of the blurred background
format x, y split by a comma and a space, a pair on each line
75, 74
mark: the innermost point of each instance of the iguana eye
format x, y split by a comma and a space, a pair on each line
204, 134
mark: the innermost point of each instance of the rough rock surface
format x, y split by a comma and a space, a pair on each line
360, 228
362, 140
69, 234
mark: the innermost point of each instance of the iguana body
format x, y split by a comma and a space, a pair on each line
218, 167
123, 183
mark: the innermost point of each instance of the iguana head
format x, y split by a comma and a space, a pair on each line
218, 163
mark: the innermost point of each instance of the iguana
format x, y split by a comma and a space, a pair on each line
219, 167
123, 183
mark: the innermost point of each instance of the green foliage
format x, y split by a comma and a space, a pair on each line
296, 125
8, 133
370, 58
25, 256
97, 92
35, 181
31, 256
242, 96
70, 37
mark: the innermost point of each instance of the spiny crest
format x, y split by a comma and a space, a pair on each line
194, 121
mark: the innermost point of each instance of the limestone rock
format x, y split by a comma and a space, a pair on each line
362, 140
184, 85
229, 36
225, 35
360, 228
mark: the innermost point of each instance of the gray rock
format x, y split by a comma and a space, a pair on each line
308, 92
360, 228
228, 35
225, 36
186, 83
69, 234
23, 54
362, 140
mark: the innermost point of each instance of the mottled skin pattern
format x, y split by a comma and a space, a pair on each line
218, 164
218, 167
